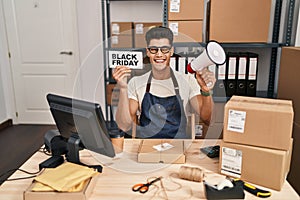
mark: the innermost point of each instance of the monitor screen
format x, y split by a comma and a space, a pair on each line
74, 116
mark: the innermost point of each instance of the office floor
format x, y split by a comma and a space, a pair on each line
17, 144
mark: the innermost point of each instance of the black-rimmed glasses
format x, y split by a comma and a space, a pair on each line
163, 49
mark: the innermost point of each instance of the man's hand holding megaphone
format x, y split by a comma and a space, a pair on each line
213, 54
206, 76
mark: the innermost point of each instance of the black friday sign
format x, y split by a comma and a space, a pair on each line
132, 59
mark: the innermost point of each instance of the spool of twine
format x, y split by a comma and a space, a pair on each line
191, 173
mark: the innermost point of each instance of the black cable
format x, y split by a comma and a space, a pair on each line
34, 174
15, 179
45, 151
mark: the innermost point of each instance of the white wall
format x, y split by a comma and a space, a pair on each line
3, 111
136, 11
7, 106
90, 77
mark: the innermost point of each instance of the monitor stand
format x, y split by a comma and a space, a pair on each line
60, 147
74, 146
54, 143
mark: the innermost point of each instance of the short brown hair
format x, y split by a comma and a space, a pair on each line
159, 32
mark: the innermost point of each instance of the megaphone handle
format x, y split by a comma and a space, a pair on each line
209, 84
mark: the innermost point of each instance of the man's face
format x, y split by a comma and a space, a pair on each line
159, 52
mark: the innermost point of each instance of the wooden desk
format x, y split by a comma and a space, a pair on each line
120, 174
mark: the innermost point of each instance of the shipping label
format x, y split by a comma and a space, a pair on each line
175, 6
231, 163
139, 29
115, 29
236, 121
163, 147
174, 28
198, 130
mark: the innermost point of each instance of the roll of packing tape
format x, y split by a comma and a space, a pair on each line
224, 183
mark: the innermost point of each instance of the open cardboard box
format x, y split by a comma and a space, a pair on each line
148, 154
82, 195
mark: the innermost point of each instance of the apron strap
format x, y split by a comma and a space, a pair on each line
175, 83
149, 83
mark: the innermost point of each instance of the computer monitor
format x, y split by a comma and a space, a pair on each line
82, 124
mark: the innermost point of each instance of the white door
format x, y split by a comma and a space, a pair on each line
42, 40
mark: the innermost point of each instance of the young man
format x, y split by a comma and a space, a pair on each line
162, 97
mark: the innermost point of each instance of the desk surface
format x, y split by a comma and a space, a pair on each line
120, 174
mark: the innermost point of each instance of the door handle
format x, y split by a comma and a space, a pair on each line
66, 53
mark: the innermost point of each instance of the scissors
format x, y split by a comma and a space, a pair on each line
144, 187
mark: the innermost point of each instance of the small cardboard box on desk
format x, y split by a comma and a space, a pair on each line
262, 166
161, 151
257, 140
67, 181
82, 195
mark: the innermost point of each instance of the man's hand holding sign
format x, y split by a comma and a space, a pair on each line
123, 62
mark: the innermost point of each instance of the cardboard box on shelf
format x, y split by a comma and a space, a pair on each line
187, 31
259, 122
200, 130
121, 28
140, 29
170, 151
121, 35
214, 129
112, 94
185, 10
241, 21
262, 166
83, 195
121, 41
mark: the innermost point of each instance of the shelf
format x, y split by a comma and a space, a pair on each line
110, 80
126, 49
252, 45
202, 44
231, 45
220, 99
259, 94
135, 0
189, 44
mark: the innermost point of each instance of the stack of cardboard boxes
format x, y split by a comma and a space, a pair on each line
121, 35
130, 34
221, 20
257, 140
186, 20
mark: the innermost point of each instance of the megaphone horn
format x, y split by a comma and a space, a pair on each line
213, 54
